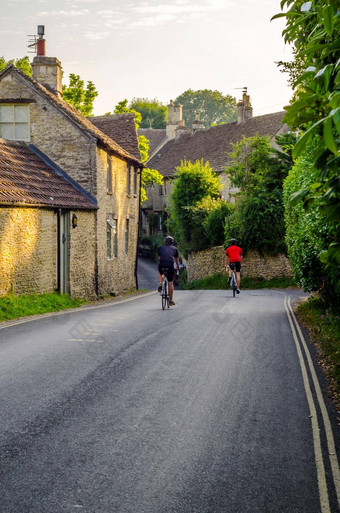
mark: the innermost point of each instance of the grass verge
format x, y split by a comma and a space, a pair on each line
323, 327
12, 307
220, 282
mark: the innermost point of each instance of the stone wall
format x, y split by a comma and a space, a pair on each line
28, 250
116, 274
212, 261
82, 255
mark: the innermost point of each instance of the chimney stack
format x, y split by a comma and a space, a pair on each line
175, 119
244, 108
197, 123
46, 70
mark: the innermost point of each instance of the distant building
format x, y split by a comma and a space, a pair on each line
179, 143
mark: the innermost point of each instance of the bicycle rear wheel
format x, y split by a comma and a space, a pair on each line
165, 297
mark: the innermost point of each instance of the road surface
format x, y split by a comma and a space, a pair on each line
206, 407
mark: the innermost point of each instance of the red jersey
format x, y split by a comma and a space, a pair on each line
234, 253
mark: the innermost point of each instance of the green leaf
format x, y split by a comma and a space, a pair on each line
332, 255
328, 19
298, 196
280, 15
328, 135
332, 211
336, 119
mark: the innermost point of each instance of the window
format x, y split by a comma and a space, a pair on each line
14, 122
128, 181
109, 239
161, 190
109, 175
135, 177
127, 236
115, 238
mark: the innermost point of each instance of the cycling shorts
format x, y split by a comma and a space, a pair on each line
168, 270
236, 265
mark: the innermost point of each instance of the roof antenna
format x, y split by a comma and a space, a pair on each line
37, 42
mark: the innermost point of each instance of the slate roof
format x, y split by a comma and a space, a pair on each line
27, 179
213, 143
121, 128
155, 136
73, 115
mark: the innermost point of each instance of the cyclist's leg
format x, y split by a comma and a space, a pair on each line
171, 289
238, 280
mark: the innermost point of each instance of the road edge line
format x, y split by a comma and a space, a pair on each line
320, 468
325, 417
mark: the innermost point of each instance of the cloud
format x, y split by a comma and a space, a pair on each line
81, 12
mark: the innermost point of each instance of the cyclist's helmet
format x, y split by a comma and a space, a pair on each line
233, 241
169, 240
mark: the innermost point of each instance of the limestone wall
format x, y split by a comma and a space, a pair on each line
82, 255
211, 261
116, 274
28, 250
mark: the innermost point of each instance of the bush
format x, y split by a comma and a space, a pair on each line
308, 234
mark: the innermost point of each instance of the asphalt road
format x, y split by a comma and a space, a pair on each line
126, 408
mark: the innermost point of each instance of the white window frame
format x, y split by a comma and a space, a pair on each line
14, 123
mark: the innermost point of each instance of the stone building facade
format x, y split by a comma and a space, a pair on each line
102, 250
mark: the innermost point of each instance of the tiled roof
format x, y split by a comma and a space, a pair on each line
73, 114
213, 144
121, 128
155, 136
26, 179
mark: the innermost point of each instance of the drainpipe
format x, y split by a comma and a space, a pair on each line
139, 223
58, 250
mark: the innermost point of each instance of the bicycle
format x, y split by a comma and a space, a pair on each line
233, 281
165, 292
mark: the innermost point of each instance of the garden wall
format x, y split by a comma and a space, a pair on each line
211, 261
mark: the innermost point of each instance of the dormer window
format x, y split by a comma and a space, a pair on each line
14, 122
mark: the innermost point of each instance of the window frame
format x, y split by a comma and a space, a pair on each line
15, 123
109, 175
127, 230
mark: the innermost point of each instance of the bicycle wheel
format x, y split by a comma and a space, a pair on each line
164, 292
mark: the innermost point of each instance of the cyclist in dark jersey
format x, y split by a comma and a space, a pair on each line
167, 255
234, 255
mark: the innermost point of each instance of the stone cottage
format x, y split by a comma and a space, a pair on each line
101, 250
178, 143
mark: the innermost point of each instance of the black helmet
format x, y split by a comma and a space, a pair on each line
169, 240
233, 241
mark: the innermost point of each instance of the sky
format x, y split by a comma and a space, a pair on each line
158, 48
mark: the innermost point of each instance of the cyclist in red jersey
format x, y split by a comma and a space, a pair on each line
233, 259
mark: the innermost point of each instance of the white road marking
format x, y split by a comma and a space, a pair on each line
320, 468
325, 417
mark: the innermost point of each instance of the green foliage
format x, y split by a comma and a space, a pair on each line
313, 28
154, 114
257, 221
219, 281
23, 64
308, 233
12, 307
324, 329
149, 176
195, 189
80, 97
213, 106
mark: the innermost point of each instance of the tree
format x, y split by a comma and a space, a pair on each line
154, 114
149, 176
194, 183
23, 64
80, 97
258, 170
313, 28
213, 106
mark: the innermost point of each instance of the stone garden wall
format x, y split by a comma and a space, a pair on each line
211, 261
